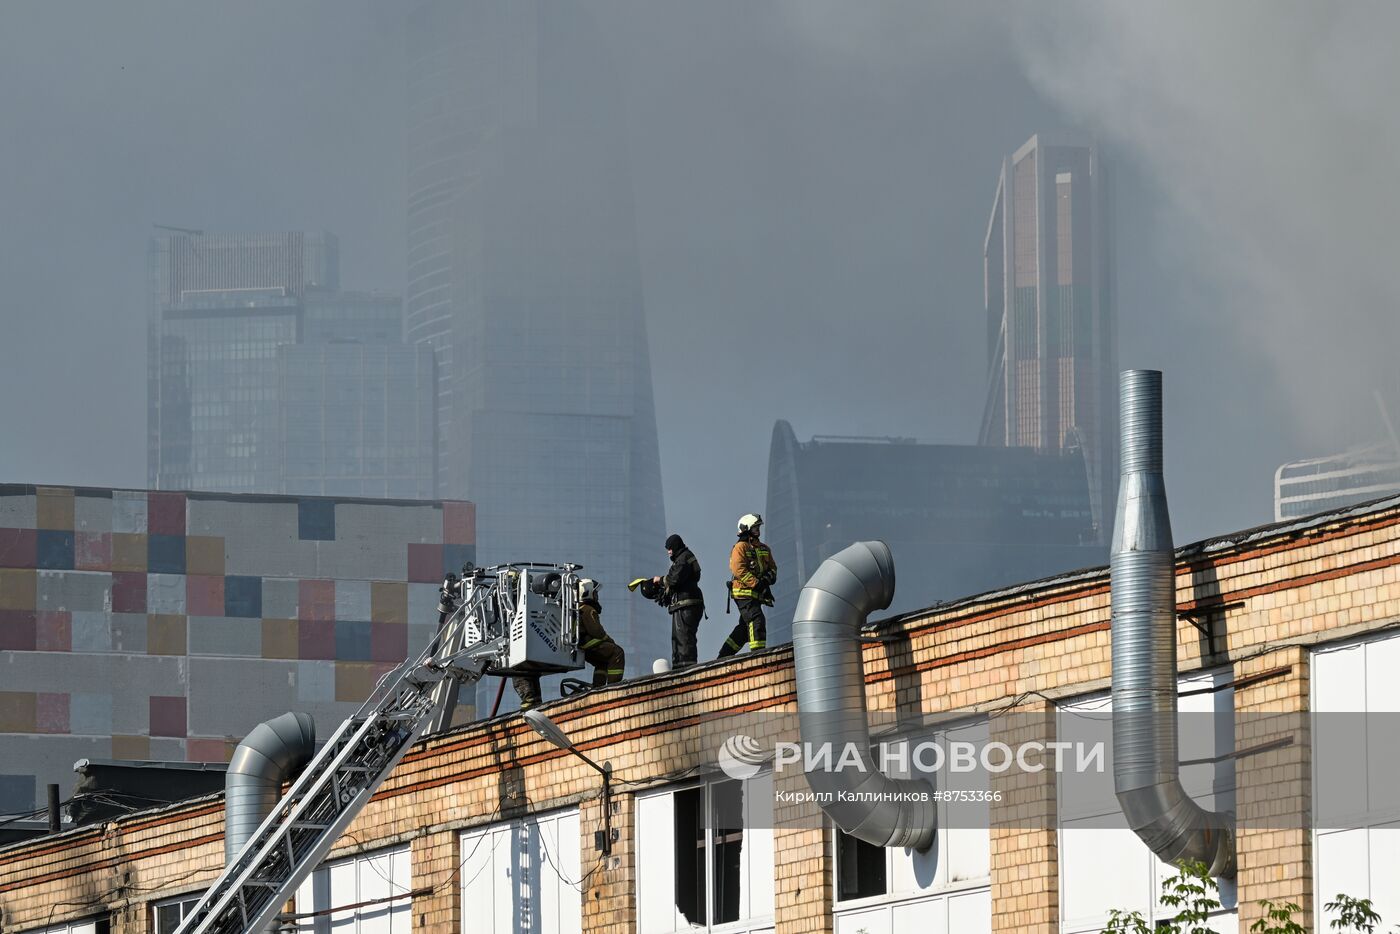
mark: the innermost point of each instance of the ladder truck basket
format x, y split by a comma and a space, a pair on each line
532, 609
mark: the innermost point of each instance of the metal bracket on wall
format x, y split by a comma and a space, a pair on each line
1204, 618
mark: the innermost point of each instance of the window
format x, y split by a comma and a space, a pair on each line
861, 870
378, 883
90, 926
166, 916
524, 876
946, 888
705, 857
1103, 864
1356, 801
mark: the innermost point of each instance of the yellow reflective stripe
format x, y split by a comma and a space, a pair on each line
729, 641
614, 671
761, 559
591, 642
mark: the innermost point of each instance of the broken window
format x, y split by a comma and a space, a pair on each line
727, 828
712, 865
690, 854
860, 868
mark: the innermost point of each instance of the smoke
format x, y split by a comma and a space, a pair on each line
1270, 133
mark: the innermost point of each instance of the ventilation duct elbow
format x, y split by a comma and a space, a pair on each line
831, 610
1146, 774
268, 756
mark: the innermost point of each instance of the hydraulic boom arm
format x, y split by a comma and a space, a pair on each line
484, 634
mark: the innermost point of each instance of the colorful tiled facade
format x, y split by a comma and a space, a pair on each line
162, 625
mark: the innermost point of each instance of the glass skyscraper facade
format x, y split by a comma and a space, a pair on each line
218, 389
1051, 319
523, 275
959, 519
184, 265
266, 379
356, 420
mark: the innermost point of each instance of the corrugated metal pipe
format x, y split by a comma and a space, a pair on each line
831, 610
269, 755
1146, 775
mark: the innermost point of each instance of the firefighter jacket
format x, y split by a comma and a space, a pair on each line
590, 627
754, 570
682, 582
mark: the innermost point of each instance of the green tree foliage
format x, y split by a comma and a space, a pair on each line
1353, 914
1194, 895
1278, 918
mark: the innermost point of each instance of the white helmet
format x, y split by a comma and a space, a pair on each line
749, 523
587, 589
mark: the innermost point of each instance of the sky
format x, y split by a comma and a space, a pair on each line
812, 183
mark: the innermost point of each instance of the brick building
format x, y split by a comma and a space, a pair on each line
161, 625
488, 827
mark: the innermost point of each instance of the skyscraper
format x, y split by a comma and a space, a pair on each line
960, 519
187, 270
1051, 317
523, 275
265, 379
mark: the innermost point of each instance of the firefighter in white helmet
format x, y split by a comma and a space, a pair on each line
754, 572
599, 650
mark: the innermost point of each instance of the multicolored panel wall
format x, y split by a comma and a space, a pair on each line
155, 625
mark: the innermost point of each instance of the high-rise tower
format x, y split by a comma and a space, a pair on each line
266, 274
523, 275
264, 379
1051, 317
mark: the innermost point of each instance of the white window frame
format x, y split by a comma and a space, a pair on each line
894, 896
1226, 918
1368, 822
477, 849
764, 918
397, 916
97, 925
185, 903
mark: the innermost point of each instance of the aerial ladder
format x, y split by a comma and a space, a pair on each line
504, 620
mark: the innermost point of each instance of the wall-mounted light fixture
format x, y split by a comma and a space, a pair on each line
603, 839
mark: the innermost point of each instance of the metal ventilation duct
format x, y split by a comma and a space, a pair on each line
1146, 775
831, 610
269, 755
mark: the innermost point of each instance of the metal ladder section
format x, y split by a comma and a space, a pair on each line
342, 777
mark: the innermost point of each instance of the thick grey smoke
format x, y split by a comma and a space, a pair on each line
812, 181
1271, 134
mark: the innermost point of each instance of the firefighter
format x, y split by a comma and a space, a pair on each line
599, 650
681, 595
527, 688
754, 573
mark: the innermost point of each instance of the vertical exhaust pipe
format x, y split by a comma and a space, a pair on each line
1146, 774
832, 608
269, 755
